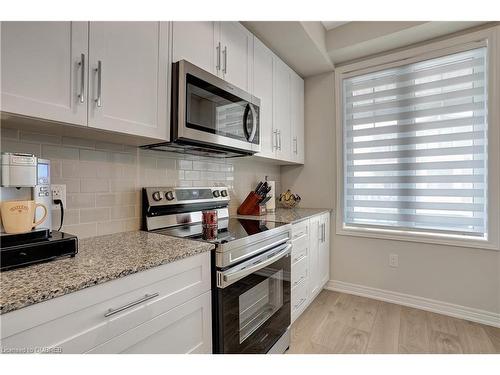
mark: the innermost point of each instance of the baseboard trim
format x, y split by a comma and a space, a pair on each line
445, 308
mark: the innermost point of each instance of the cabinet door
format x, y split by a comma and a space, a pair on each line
263, 89
314, 238
297, 114
182, 330
196, 43
236, 54
324, 249
128, 77
281, 109
42, 74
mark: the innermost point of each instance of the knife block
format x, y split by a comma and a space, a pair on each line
251, 206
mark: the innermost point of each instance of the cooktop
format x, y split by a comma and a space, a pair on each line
229, 229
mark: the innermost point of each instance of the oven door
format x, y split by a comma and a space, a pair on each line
211, 111
252, 304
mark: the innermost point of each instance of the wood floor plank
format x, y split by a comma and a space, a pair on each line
444, 343
414, 331
329, 332
384, 337
352, 341
362, 313
473, 338
494, 335
343, 323
442, 323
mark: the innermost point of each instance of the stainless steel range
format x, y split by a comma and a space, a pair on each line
250, 266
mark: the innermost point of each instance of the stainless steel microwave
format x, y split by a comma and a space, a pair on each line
210, 116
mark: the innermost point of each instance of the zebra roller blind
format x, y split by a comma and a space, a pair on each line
415, 140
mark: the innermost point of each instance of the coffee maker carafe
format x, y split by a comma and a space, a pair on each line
26, 177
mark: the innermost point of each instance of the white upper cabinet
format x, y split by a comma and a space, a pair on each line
281, 110
297, 117
263, 89
128, 77
195, 42
42, 71
236, 49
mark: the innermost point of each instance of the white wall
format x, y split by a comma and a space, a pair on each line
463, 276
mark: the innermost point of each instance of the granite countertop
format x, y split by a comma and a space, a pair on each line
99, 259
290, 215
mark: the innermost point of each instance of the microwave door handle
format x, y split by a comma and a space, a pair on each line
229, 278
254, 123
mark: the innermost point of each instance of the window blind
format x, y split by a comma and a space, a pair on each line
415, 140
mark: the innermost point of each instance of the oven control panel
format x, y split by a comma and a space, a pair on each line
162, 196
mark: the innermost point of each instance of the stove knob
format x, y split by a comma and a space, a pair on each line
157, 196
223, 193
169, 195
216, 193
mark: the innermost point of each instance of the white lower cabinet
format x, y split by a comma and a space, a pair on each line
166, 309
310, 261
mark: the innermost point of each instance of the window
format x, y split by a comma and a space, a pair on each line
415, 146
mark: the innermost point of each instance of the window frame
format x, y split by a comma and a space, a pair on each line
488, 37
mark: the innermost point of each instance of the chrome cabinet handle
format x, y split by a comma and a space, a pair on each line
81, 64
279, 139
224, 69
299, 258
99, 83
302, 300
147, 297
295, 145
218, 56
299, 281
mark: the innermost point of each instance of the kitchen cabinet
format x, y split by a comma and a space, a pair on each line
224, 49
324, 249
105, 75
263, 89
197, 43
44, 70
297, 117
314, 281
165, 309
236, 49
281, 109
310, 261
128, 71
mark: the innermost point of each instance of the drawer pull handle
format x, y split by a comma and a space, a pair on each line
302, 300
299, 281
299, 258
147, 297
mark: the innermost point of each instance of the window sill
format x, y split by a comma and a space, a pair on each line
408, 236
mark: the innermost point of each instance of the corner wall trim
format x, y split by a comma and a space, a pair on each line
445, 308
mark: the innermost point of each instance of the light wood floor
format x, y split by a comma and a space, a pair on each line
343, 323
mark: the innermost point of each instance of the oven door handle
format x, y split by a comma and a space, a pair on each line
229, 277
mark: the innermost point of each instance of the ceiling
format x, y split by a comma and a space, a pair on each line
314, 47
329, 25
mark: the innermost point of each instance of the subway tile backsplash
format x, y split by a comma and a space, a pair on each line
103, 180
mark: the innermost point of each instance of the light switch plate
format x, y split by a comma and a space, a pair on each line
393, 260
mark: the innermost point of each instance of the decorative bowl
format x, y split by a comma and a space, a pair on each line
289, 200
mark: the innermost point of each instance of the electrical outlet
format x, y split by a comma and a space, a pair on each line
393, 260
58, 192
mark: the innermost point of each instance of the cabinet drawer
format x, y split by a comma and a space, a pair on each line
300, 271
76, 322
299, 299
300, 248
300, 229
182, 330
